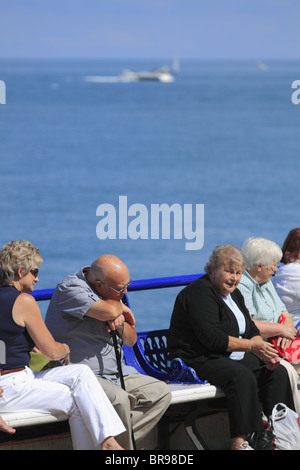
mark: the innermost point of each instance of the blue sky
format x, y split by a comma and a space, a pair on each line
200, 29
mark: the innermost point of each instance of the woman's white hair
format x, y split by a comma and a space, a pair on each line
260, 251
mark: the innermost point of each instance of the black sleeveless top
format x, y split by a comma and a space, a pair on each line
15, 342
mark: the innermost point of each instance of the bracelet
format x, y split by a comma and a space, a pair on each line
250, 345
67, 351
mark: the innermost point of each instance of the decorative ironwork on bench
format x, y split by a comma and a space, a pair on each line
150, 357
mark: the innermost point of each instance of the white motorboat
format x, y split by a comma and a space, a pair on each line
160, 74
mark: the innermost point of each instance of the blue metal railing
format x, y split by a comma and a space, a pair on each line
142, 284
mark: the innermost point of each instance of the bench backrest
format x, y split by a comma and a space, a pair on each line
150, 357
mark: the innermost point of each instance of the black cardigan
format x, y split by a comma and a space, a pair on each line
201, 322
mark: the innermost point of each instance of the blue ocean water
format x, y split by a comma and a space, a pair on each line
224, 134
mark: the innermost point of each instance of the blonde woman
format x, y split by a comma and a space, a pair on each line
72, 390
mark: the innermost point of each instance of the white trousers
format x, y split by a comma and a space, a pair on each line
72, 390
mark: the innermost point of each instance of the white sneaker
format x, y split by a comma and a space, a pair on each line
245, 446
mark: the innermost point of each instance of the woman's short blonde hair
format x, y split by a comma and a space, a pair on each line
225, 256
260, 251
16, 254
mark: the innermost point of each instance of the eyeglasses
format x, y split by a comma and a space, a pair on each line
115, 290
273, 266
34, 272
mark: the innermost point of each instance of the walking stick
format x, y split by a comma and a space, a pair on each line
113, 334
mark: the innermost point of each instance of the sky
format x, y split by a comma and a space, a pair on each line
147, 29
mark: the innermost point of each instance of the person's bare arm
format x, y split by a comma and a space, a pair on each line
288, 319
285, 332
125, 331
26, 313
256, 345
105, 310
124, 326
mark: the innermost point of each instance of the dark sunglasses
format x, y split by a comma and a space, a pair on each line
34, 272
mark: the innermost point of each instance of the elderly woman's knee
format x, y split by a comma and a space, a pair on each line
244, 379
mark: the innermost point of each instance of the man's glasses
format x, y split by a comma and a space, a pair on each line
121, 291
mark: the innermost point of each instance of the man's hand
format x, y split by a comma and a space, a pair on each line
126, 317
116, 324
124, 326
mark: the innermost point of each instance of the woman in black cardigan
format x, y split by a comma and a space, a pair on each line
211, 330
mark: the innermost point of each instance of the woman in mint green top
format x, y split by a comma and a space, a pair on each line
261, 299
265, 307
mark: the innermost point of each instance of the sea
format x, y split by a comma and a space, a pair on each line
223, 139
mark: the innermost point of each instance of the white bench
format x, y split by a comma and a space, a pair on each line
181, 393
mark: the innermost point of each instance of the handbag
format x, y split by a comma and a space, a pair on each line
286, 427
265, 439
290, 354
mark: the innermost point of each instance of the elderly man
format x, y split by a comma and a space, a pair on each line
83, 310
